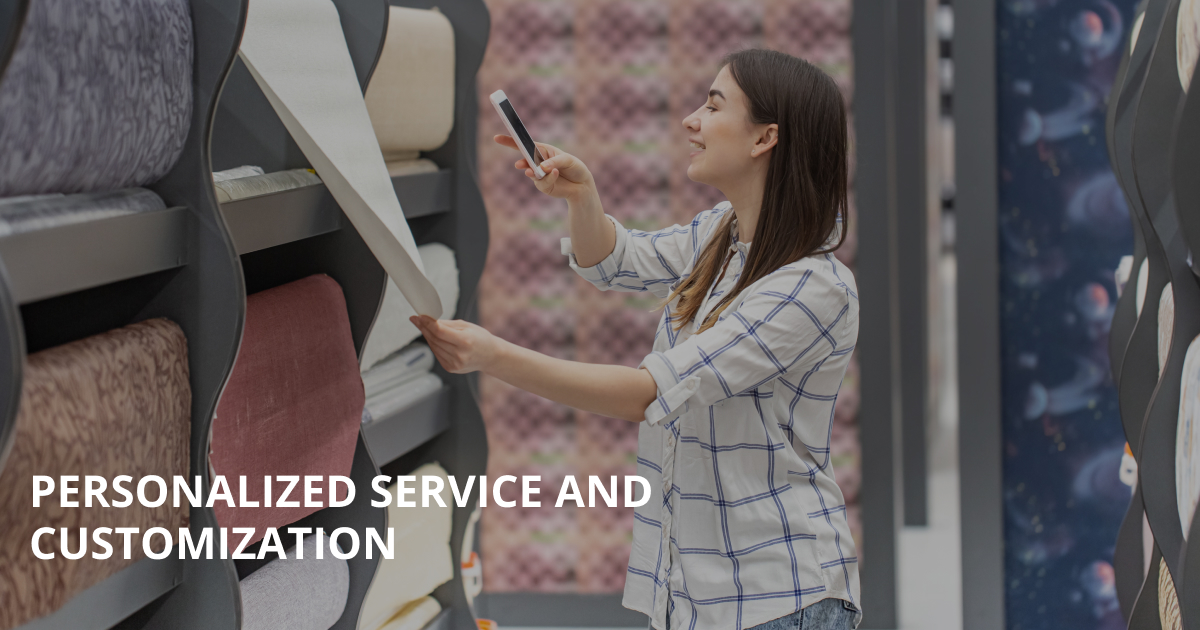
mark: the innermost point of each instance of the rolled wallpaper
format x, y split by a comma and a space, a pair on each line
294, 400
414, 616
400, 397
98, 96
118, 403
1187, 438
411, 94
296, 52
236, 188
392, 330
29, 213
297, 593
422, 560
399, 368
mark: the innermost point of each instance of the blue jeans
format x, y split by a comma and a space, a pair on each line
827, 614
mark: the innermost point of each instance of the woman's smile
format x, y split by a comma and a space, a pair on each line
696, 148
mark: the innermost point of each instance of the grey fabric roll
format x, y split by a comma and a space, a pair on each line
405, 365
38, 212
243, 187
297, 594
98, 96
391, 402
237, 173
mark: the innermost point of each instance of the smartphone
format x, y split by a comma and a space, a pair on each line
516, 129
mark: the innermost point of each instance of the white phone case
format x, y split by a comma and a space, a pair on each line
498, 97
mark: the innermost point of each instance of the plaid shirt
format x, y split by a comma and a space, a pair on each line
745, 523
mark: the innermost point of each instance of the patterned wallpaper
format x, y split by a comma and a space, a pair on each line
609, 81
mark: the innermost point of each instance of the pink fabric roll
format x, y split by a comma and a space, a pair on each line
293, 404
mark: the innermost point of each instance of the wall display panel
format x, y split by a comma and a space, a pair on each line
608, 81
1063, 225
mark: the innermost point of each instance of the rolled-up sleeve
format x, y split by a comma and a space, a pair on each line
794, 321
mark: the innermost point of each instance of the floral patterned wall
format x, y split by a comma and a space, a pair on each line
609, 81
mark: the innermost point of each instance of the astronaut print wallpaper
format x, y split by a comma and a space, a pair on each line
1063, 228
609, 81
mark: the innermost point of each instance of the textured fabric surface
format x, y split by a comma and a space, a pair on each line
98, 96
397, 168
400, 397
294, 401
392, 330
399, 368
1166, 324
414, 615
118, 403
736, 446
299, 593
37, 212
1187, 438
236, 172
236, 188
411, 93
422, 561
1168, 599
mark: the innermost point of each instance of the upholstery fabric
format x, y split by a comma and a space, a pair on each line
397, 168
401, 397
1166, 324
399, 368
392, 330
414, 616
1187, 438
411, 94
118, 403
294, 401
264, 184
422, 561
1168, 599
297, 593
38, 212
98, 96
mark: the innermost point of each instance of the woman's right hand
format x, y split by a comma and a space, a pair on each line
566, 175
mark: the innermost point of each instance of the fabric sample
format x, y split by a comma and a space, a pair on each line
293, 402
422, 561
411, 93
296, 52
1168, 599
118, 403
401, 397
1187, 41
414, 616
98, 96
297, 593
237, 173
1187, 438
264, 184
399, 368
392, 330
30, 213
397, 168
1166, 325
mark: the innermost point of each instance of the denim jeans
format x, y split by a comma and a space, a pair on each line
827, 614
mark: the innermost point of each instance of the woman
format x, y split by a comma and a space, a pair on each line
736, 400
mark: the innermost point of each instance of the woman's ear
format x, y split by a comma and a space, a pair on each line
766, 140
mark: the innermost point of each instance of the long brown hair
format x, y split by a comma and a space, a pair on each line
805, 193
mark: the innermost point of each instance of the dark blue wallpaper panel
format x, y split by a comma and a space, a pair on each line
1063, 228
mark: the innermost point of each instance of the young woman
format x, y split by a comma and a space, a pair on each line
745, 527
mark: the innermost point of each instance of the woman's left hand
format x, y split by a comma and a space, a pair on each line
461, 347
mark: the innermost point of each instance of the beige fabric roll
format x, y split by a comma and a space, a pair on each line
410, 167
415, 615
422, 559
411, 94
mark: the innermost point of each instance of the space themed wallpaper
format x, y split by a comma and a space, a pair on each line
1064, 226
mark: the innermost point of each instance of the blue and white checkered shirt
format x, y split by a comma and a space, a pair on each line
745, 523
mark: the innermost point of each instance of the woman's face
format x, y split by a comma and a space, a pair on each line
724, 143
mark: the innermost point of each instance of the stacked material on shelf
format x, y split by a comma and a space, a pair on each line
392, 330
399, 381
250, 181
415, 615
302, 592
118, 403
410, 98
1187, 439
422, 559
294, 399
29, 213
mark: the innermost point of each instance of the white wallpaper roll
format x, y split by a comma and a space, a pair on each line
392, 330
296, 52
422, 560
297, 594
411, 94
1187, 438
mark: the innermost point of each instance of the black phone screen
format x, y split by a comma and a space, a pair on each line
522, 133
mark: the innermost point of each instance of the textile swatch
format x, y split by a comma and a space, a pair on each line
29, 213
294, 401
297, 593
399, 368
392, 330
118, 403
397, 168
98, 96
422, 561
400, 397
1187, 438
414, 616
264, 184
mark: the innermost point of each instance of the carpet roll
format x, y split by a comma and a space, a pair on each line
30, 213
392, 330
294, 401
118, 403
297, 593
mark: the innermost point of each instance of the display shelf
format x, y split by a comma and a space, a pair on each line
68, 258
392, 436
265, 221
107, 603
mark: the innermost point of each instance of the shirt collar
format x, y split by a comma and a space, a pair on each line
736, 245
